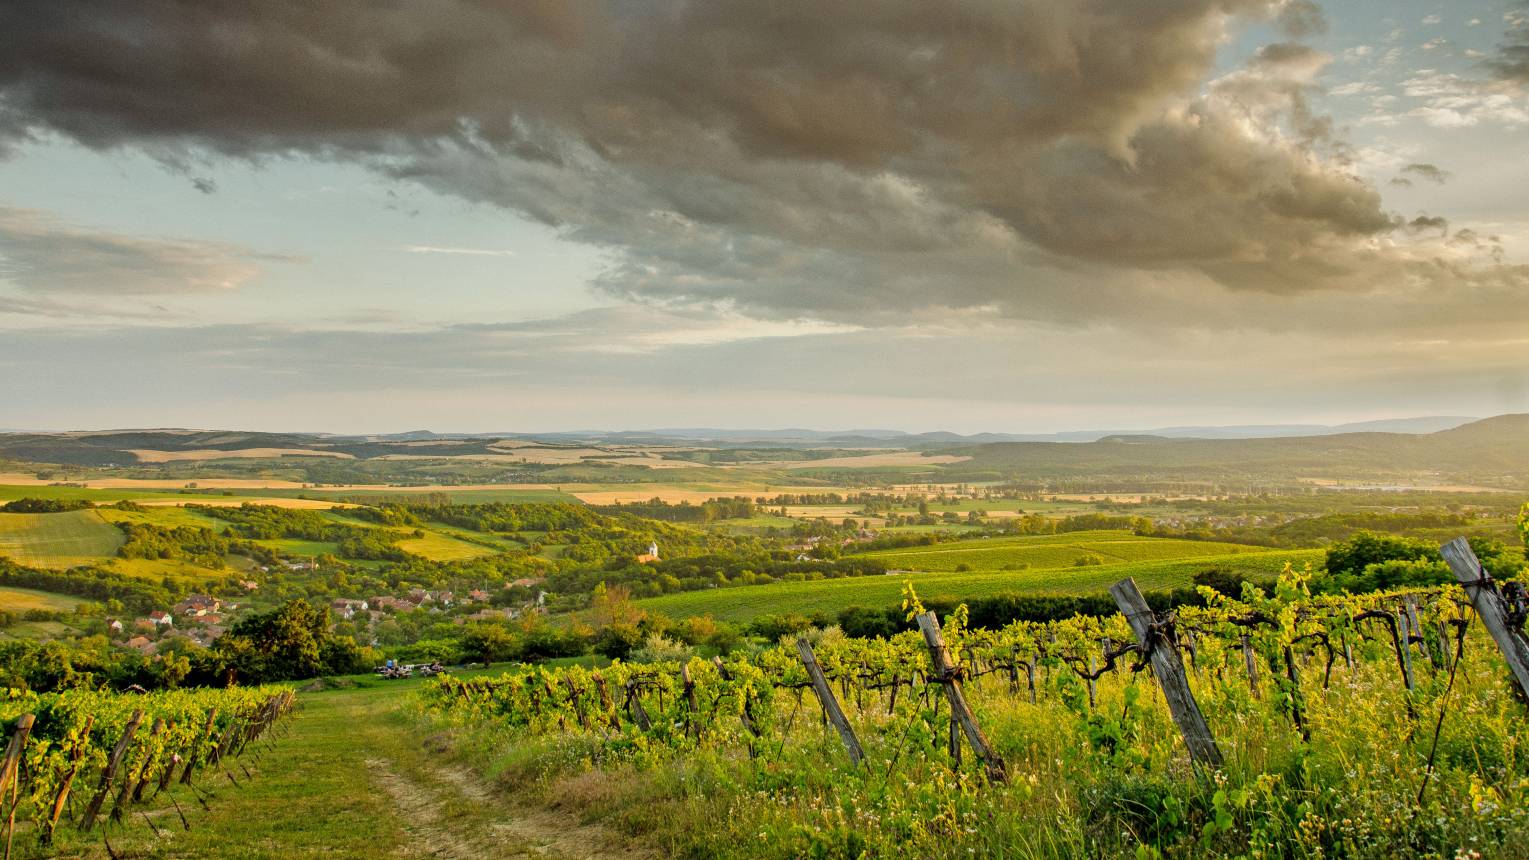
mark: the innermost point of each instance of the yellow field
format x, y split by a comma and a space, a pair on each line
58, 540
19, 600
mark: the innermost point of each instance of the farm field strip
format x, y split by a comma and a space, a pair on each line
743, 603
20, 600
57, 540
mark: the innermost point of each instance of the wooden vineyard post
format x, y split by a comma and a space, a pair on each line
1489, 605
68, 780
830, 705
1404, 648
110, 772
11, 770
949, 677
10, 775
692, 709
1169, 671
191, 758
1250, 664
134, 783
634, 707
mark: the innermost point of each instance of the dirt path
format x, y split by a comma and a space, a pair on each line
448, 812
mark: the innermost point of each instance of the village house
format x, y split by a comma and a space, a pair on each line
160, 618
142, 644
114, 625
197, 605
477, 595
347, 608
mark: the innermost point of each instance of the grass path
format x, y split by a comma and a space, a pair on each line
352, 777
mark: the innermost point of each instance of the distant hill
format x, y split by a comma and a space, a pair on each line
1494, 452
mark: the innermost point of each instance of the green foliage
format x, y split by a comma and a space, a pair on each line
291, 642
44, 506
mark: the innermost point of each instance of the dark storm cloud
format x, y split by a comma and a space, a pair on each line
42, 255
788, 158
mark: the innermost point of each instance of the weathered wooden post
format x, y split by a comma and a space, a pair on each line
68, 781
10, 774
11, 769
830, 705
133, 785
945, 669
1168, 668
1404, 648
1250, 664
578, 703
1489, 605
193, 758
94, 808
746, 715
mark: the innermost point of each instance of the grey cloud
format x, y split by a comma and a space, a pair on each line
1298, 19
1511, 61
40, 254
1430, 172
795, 158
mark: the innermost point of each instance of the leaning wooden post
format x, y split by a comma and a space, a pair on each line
68, 781
949, 677
132, 781
830, 704
1489, 605
11, 770
10, 776
1169, 671
94, 809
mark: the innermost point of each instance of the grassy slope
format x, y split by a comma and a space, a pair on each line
57, 540
831, 595
22, 599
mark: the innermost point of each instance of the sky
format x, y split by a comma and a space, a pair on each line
976, 215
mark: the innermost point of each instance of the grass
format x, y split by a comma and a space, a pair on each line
349, 776
58, 540
1045, 551
11, 492
160, 568
305, 548
742, 603
439, 547
20, 600
169, 516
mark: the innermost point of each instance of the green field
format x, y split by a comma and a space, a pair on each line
1046, 551
439, 547
11, 492
742, 603
58, 540
22, 599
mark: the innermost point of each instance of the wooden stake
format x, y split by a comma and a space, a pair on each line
1489, 605
110, 772
960, 711
1250, 664
1168, 668
63, 789
830, 705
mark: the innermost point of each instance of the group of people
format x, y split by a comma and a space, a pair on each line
394, 669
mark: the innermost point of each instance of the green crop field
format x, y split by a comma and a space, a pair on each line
20, 600
58, 540
169, 516
439, 547
1045, 551
743, 603
11, 492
